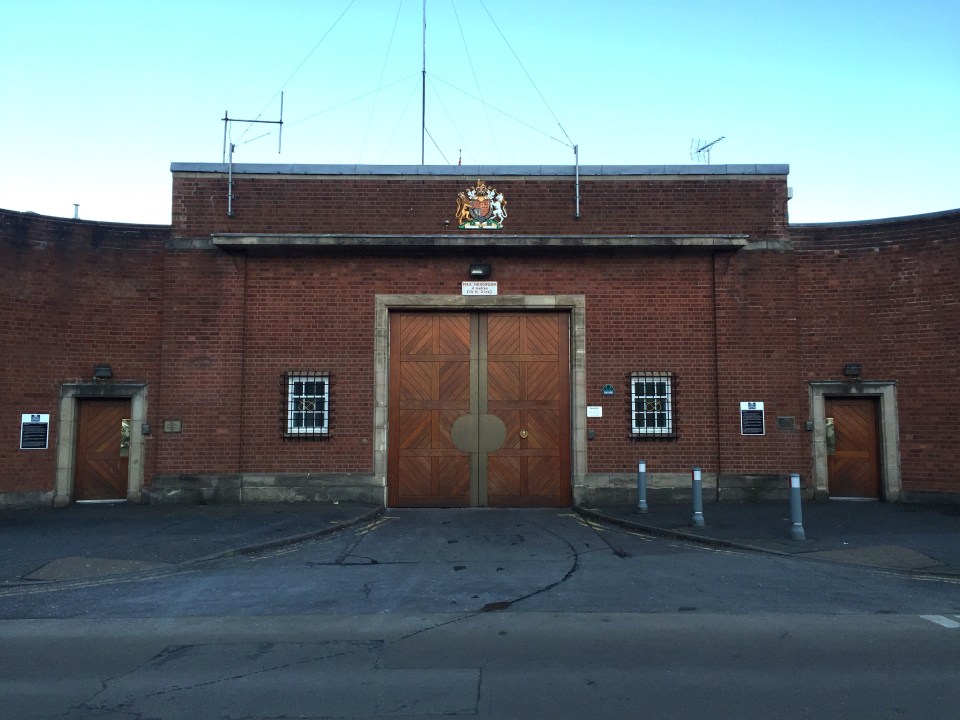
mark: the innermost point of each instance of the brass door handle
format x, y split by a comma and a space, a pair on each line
125, 438
523, 433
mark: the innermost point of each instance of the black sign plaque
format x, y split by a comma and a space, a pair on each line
751, 418
34, 431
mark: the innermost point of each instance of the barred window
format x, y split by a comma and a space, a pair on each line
308, 404
652, 404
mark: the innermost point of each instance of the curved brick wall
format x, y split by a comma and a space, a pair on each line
886, 294
73, 294
208, 332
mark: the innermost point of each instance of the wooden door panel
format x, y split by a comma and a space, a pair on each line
512, 420
540, 470
444, 420
415, 429
524, 481
542, 381
853, 468
454, 380
503, 380
505, 477
453, 476
541, 336
453, 335
541, 427
503, 335
429, 389
416, 380
101, 469
528, 389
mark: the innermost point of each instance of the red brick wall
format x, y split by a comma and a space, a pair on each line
886, 294
410, 205
649, 312
202, 354
644, 311
72, 294
212, 331
318, 314
757, 361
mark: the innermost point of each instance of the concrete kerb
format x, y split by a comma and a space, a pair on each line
677, 534
284, 541
732, 544
165, 567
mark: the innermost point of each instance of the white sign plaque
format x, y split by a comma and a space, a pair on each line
479, 287
594, 410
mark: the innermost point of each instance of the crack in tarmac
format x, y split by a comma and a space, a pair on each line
501, 605
174, 652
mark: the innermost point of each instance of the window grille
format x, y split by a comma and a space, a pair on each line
307, 404
651, 405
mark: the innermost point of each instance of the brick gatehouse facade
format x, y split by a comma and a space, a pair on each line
512, 336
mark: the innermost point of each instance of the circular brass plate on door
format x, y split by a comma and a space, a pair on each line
478, 433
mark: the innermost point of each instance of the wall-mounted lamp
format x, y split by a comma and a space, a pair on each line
852, 371
479, 271
102, 372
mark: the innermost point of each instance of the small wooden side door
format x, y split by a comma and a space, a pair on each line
103, 448
852, 448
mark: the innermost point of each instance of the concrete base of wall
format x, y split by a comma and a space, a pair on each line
364, 490
919, 497
14, 500
609, 489
254, 488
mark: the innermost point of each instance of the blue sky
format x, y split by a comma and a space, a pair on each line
861, 99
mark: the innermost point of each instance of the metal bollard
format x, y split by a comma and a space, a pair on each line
697, 498
796, 512
642, 487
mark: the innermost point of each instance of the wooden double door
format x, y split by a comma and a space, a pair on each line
479, 410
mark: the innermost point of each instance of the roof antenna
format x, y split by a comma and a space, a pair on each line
226, 124
700, 151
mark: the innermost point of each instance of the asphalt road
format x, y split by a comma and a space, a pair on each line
490, 614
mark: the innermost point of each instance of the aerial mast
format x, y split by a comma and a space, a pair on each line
423, 90
700, 151
231, 147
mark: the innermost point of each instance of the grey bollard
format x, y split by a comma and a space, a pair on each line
642, 487
796, 511
697, 498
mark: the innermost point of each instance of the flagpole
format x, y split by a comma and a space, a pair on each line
423, 90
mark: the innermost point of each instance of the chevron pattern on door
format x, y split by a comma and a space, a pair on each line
528, 371
101, 467
430, 388
488, 369
853, 469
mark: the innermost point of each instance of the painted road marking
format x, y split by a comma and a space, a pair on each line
943, 620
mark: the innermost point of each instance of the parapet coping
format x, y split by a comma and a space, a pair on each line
475, 171
878, 221
244, 240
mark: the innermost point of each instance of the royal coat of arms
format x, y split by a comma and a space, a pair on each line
481, 207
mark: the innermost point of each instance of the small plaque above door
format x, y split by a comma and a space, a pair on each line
479, 287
